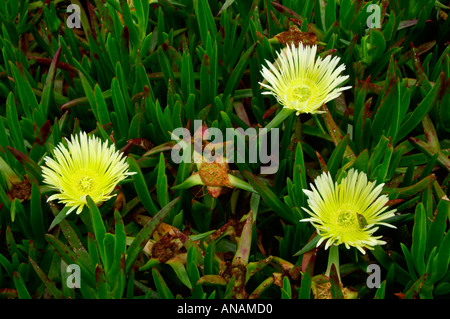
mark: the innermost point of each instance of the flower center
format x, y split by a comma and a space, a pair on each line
85, 184
345, 218
301, 93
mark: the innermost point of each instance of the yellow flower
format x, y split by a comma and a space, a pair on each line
300, 81
347, 213
86, 167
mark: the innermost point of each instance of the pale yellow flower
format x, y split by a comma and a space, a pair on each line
302, 81
347, 213
86, 167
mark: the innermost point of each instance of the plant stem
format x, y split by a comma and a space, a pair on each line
280, 117
333, 258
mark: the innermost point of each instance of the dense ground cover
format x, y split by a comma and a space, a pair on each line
130, 73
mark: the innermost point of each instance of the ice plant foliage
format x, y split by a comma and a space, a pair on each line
302, 82
87, 166
347, 213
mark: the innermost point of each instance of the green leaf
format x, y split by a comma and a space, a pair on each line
416, 287
335, 132
136, 127
286, 292
193, 273
430, 152
380, 172
141, 186
377, 44
13, 124
243, 251
237, 72
128, 21
89, 94
384, 259
10, 242
212, 280
191, 181
205, 79
99, 227
165, 66
51, 286
256, 266
30, 166
379, 294
362, 161
310, 245
212, 52
7, 265
336, 291
336, 157
160, 30
161, 286
162, 189
383, 116
142, 11
102, 110
72, 237
430, 133
265, 285
305, 286
399, 151
21, 287
119, 286
71, 258
39, 143
413, 118
279, 118
120, 240
405, 192
177, 265
436, 231
142, 237
101, 284
409, 261
187, 76
210, 262
61, 215
152, 262
109, 243
299, 166
419, 239
441, 260
239, 183
48, 86
270, 198
93, 251
225, 6
23, 220
397, 115
330, 13
25, 93
36, 216
205, 19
